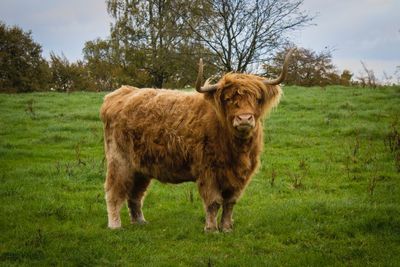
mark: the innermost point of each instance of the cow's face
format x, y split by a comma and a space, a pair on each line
241, 101
241, 110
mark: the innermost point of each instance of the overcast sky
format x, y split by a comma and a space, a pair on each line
367, 30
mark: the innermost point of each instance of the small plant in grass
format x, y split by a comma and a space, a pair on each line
94, 131
392, 141
29, 108
296, 180
78, 155
190, 195
356, 148
37, 240
370, 162
372, 184
273, 177
103, 164
352, 158
69, 169
298, 177
58, 167
209, 264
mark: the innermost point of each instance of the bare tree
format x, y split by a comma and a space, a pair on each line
244, 32
397, 74
367, 78
387, 79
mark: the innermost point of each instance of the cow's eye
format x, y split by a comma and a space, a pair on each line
228, 100
259, 101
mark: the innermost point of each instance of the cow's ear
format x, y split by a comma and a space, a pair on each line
214, 98
272, 96
209, 96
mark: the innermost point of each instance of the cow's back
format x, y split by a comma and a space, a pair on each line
161, 130
113, 102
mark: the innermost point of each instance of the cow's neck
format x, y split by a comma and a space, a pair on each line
240, 148
243, 155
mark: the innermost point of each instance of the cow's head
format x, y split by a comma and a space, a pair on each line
241, 100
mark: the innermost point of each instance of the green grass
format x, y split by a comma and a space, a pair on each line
327, 192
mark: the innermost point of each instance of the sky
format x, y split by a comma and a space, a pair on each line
355, 30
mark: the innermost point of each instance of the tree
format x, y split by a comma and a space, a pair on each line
22, 67
307, 68
367, 78
151, 36
397, 74
243, 33
345, 78
104, 67
67, 77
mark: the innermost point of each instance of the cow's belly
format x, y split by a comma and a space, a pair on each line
167, 175
164, 169
174, 179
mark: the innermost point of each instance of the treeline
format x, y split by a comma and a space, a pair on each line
157, 43
105, 66
23, 68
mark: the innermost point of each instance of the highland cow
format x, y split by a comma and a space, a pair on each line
213, 137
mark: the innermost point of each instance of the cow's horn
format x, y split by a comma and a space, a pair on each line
199, 81
282, 76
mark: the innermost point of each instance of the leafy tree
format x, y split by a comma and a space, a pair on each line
150, 36
67, 77
345, 78
22, 67
109, 68
103, 66
307, 68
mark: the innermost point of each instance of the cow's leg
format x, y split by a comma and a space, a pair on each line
230, 196
212, 202
226, 218
211, 216
136, 196
116, 187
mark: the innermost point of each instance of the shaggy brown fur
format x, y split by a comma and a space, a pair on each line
176, 137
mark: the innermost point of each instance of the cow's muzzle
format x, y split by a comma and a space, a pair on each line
244, 122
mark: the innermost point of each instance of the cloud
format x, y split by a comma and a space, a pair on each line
357, 30
59, 26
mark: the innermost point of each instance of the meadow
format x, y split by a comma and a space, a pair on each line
327, 191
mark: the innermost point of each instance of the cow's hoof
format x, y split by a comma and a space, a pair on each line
114, 226
139, 221
227, 229
211, 229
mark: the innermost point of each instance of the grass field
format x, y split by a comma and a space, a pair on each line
327, 193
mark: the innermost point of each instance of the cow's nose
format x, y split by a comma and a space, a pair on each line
244, 120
